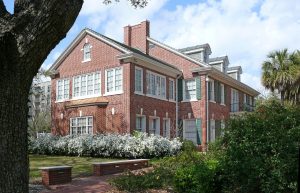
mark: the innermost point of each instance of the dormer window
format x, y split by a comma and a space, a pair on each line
86, 52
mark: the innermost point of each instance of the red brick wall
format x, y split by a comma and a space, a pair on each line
103, 57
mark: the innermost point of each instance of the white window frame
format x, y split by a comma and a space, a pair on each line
143, 119
86, 86
167, 130
172, 94
114, 92
185, 124
157, 127
152, 86
85, 59
184, 90
234, 100
222, 94
212, 91
86, 126
212, 130
63, 89
142, 78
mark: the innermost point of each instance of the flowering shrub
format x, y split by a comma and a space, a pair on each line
106, 145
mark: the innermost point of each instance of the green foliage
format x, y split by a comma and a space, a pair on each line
261, 150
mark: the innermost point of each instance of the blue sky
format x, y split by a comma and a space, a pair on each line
244, 30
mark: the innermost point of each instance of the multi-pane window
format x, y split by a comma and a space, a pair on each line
222, 90
156, 85
140, 123
190, 89
81, 125
234, 100
190, 132
86, 85
166, 127
138, 80
62, 90
211, 90
171, 90
154, 126
86, 52
114, 80
212, 130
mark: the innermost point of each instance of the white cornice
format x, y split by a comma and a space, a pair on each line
216, 74
176, 52
76, 41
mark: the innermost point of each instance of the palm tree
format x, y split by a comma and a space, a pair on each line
293, 93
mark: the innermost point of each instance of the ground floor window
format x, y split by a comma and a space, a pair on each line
140, 123
212, 130
166, 127
189, 130
81, 125
154, 125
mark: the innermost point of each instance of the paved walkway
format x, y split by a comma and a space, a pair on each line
91, 184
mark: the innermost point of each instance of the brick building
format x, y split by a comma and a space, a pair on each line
101, 85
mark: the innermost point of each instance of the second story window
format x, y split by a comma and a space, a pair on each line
234, 100
156, 85
62, 89
211, 90
86, 52
114, 80
222, 88
138, 80
87, 85
190, 89
171, 90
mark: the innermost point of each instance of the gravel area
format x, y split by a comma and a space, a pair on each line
37, 188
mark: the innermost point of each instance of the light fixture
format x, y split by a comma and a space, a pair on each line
112, 111
80, 113
154, 113
142, 111
61, 115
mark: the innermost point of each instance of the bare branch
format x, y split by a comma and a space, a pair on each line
134, 3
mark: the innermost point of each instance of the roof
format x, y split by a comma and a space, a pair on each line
221, 58
196, 47
122, 47
97, 101
234, 68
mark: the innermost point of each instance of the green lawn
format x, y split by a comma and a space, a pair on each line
81, 165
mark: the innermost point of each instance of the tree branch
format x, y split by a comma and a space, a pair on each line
3, 10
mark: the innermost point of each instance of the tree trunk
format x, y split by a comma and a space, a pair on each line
14, 90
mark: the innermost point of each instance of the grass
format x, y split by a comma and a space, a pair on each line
82, 166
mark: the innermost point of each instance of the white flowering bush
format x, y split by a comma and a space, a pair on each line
106, 145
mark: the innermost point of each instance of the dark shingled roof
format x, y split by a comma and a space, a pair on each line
194, 48
221, 58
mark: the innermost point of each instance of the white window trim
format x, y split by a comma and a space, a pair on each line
173, 94
168, 134
158, 127
184, 127
82, 49
114, 84
212, 92
144, 123
212, 126
184, 93
157, 96
142, 80
223, 97
63, 94
86, 96
87, 118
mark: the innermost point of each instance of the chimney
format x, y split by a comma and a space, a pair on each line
136, 36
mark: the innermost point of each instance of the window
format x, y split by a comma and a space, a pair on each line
87, 52
211, 90
87, 85
154, 125
138, 80
156, 85
212, 130
62, 89
140, 123
166, 127
190, 89
114, 80
234, 100
190, 132
81, 125
222, 94
171, 90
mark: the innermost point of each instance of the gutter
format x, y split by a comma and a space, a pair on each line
207, 116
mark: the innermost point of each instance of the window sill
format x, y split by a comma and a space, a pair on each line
171, 100
212, 101
113, 93
139, 93
191, 100
84, 61
156, 97
85, 97
222, 104
61, 101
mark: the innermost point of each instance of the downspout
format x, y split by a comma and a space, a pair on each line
176, 114
206, 106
